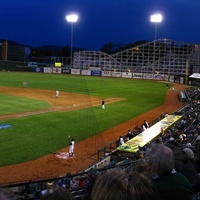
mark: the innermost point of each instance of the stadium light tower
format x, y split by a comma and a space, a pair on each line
72, 18
156, 18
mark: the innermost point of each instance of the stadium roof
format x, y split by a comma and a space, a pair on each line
195, 75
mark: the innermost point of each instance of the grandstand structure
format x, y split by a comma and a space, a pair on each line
161, 56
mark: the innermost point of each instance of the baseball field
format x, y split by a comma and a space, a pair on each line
34, 123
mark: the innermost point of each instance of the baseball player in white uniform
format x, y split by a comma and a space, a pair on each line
57, 93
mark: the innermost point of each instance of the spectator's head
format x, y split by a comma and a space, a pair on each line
161, 159
189, 153
5, 195
118, 185
59, 194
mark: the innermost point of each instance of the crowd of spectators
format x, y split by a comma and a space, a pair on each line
168, 168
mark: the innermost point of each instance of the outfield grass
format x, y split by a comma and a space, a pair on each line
11, 104
35, 136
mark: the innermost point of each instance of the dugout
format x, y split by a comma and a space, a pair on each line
134, 145
182, 96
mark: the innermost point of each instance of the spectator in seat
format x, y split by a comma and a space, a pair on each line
117, 184
184, 165
82, 182
121, 140
170, 184
129, 135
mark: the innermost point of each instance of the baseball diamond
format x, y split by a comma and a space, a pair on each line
52, 165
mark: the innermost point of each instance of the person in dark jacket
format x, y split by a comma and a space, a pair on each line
184, 165
171, 185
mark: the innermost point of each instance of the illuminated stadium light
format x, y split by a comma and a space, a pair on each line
156, 18
72, 18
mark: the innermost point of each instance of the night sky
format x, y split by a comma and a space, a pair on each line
42, 22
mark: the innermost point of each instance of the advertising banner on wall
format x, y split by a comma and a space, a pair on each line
147, 76
95, 73
116, 74
38, 69
47, 70
86, 72
137, 75
57, 70
126, 75
159, 77
171, 78
66, 71
166, 77
106, 73
76, 71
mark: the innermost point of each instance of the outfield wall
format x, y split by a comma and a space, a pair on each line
20, 67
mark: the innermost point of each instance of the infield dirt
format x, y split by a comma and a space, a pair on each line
85, 151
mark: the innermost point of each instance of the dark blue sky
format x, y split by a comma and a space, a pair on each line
42, 22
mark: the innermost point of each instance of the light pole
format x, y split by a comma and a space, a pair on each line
72, 18
156, 18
